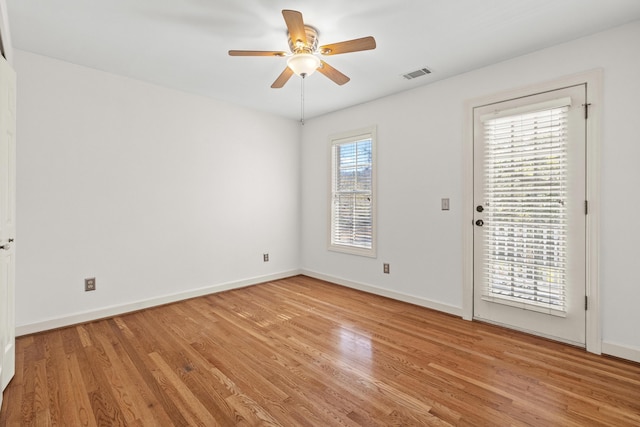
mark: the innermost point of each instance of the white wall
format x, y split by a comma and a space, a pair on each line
156, 193
420, 139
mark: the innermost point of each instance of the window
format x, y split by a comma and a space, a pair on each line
352, 202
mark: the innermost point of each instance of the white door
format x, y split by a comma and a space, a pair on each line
529, 200
7, 223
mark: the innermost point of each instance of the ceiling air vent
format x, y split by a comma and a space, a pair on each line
417, 73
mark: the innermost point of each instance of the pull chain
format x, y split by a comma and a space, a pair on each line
302, 99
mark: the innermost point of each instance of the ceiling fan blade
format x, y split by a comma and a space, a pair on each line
282, 78
333, 74
295, 25
256, 53
356, 45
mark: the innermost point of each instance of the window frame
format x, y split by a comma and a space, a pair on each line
346, 138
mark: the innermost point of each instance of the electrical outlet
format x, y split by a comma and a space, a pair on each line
265, 257
385, 268
90, 284
445, 204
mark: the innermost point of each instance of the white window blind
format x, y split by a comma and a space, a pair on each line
352, 185
525, 195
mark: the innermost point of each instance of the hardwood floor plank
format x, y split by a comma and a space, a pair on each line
27, 386
188, 404
81, 409
125, 393
41, 392
140, 362
304, 352
60, 384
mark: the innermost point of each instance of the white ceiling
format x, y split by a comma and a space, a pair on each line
183, 44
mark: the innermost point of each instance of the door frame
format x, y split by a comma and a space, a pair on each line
593, 80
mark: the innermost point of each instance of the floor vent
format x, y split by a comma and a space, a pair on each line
417, 73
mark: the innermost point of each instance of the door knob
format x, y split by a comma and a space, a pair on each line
5, 247
479, 208
479, 223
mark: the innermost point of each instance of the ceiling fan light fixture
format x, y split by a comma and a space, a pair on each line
303, 64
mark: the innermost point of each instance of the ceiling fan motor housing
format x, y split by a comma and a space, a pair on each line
297, 46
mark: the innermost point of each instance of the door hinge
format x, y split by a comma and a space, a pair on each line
586, 302
586, 207
586, 110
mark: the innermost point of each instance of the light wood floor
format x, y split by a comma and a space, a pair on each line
299, 352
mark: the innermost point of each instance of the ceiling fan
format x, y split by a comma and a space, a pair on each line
303, 59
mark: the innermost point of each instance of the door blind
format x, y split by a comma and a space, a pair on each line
525, 168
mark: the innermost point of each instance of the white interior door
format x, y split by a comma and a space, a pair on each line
7, 223
529, 200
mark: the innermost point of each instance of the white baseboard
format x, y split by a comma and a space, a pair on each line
623, 352
616, 350
423, 302
88, 316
